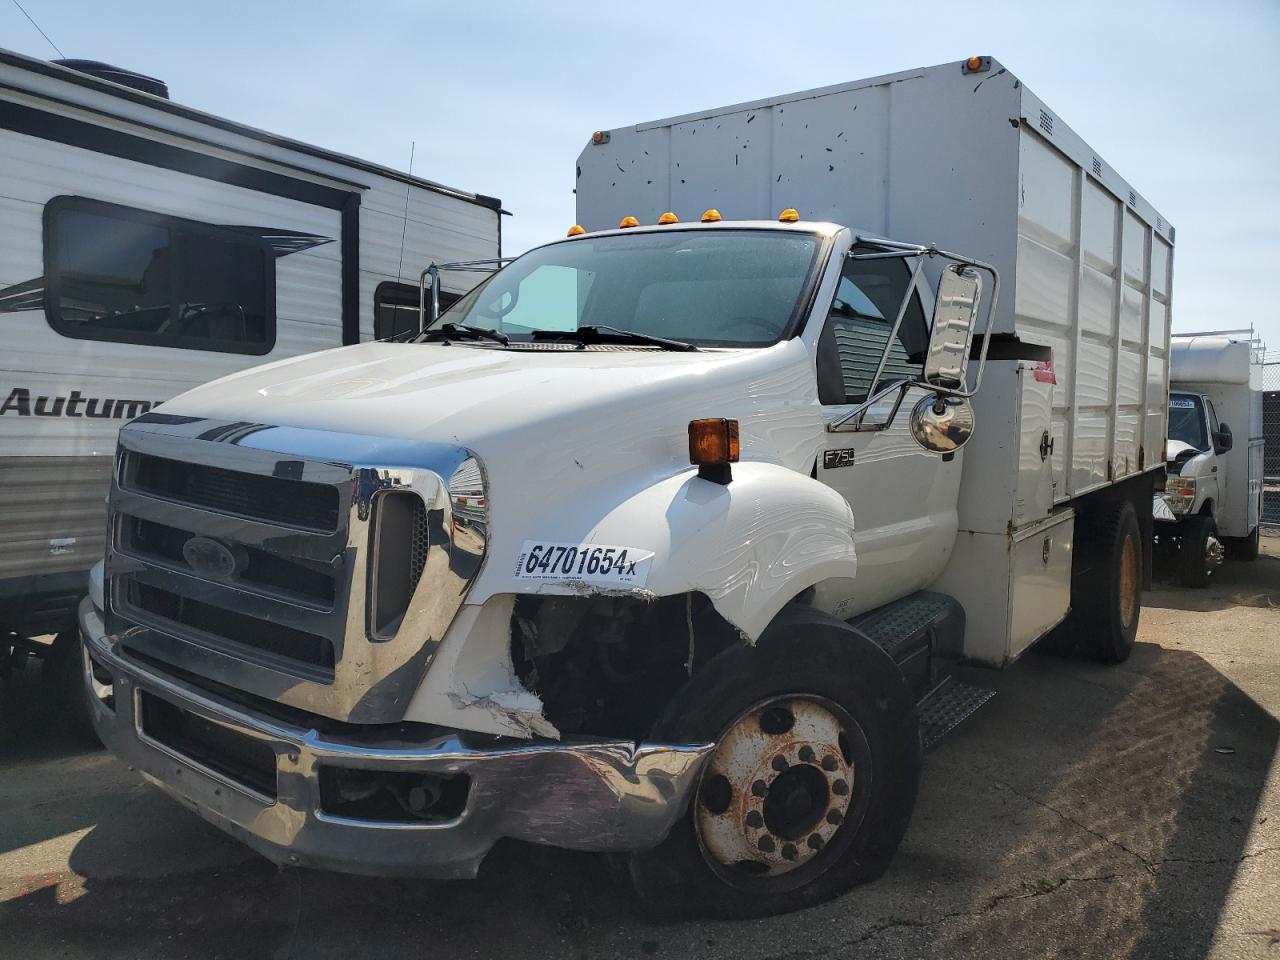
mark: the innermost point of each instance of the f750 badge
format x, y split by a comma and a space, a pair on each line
832, 459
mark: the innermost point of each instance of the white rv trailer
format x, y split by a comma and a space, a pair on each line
1073, 400
146, 247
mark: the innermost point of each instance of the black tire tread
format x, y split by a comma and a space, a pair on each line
825, 656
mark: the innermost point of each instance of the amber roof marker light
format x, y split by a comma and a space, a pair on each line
575, 231
711, 216
789, 215
976, 65
627, 223
668, 218
713, 446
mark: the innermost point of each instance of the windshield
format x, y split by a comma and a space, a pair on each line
707, 287
1186, 420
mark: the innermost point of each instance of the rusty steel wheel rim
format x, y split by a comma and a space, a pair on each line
779, 785
1128, 581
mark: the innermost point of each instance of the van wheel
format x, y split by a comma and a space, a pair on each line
1106, 590
811, 784
1244, 548
1201, 551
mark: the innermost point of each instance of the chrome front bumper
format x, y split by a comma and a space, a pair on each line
595, 795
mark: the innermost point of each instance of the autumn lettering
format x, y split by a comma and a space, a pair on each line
21, 403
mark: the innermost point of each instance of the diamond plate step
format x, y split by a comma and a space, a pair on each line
947, 707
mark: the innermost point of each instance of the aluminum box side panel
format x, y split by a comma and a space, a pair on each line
1092, 283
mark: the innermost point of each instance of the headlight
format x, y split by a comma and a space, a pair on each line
1180, 494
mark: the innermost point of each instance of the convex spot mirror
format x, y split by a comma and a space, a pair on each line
951, 337
942, 424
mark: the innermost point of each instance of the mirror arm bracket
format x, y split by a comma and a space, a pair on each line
852, 422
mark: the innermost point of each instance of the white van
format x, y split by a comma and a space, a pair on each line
1211, 507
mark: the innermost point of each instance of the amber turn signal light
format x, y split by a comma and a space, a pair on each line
713, 445
713, 441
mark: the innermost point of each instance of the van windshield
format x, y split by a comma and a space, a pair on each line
1186, 420
721, 287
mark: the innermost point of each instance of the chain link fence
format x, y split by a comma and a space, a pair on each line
1271, 438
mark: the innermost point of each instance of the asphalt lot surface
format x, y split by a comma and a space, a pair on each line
1086, 811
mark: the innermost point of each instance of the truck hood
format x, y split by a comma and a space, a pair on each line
479, 396
1175, 448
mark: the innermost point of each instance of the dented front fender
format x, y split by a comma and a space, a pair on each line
750, 546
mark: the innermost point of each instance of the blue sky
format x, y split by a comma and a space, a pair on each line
1181, 98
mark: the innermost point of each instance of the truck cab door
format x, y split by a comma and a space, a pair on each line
903, 497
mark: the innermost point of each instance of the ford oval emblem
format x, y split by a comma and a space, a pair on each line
209, 558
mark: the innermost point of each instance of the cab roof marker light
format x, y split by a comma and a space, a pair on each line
711, 216
628, 222
575, 231
789, 215
667, 218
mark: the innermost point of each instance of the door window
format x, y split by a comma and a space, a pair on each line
859, 322
1213, 417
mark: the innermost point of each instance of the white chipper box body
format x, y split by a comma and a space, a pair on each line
974, 161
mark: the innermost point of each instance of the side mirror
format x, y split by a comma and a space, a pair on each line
942, 424
1222, 439
954, 316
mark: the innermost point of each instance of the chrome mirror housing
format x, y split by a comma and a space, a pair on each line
954, 317
942, 424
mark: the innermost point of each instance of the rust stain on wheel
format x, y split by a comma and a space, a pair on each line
777, 787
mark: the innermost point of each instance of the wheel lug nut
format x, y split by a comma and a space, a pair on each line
835, 817
779, 763
840, 788
789, 851
829, 763
807, 754
815, 842
765, 844
753, 819
759, 789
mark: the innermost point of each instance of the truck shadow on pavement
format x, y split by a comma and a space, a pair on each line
1086, 811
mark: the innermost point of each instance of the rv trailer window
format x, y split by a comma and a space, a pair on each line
395, 308
127, 275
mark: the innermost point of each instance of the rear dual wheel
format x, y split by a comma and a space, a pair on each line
810, 787
1106, 586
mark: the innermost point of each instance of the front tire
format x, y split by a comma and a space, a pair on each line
1200, 553
812, 783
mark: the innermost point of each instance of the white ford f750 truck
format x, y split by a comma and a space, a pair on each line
1212, 502
665, 539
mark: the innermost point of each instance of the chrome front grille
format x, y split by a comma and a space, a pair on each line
246, 554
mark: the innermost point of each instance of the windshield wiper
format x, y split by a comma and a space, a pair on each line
599, 333
463, 331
